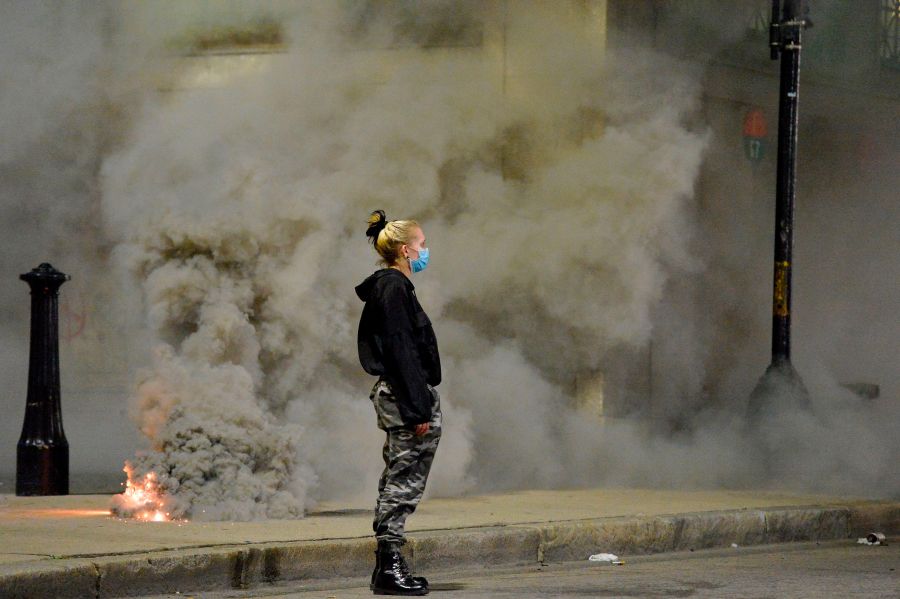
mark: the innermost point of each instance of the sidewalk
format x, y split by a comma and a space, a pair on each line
70, 547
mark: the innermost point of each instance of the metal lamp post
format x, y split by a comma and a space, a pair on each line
42, 456
781, 383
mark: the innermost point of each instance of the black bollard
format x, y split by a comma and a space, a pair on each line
42, 456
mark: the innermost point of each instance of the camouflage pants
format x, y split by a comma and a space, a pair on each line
407, 462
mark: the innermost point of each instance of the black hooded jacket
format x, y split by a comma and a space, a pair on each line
396, 342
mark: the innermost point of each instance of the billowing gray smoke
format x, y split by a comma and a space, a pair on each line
555, 183
240, 209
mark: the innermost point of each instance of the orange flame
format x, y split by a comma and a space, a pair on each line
142, 499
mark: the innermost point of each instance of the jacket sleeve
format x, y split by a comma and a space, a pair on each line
401, 357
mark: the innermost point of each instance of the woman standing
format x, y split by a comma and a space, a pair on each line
397, 344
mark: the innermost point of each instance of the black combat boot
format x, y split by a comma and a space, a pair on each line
417, 579
391, 576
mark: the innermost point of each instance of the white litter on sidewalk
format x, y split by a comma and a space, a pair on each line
611, 558
873, 538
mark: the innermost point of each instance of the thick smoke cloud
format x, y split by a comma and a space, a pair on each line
236, 207
556, 185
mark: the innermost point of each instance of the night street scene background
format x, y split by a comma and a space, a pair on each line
596, 179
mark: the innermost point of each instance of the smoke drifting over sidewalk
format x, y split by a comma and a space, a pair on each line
558, 200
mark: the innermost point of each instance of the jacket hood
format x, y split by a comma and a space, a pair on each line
364, 289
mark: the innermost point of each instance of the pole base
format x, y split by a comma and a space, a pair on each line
42, 470
780, 388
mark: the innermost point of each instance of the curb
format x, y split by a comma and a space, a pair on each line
236, 567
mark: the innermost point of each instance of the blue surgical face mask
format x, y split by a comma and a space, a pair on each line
419, 264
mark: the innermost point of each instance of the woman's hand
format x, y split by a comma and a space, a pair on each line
421, 429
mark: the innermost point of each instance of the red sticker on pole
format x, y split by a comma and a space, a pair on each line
755, 131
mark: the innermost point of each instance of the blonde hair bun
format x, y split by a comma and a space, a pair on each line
377, 222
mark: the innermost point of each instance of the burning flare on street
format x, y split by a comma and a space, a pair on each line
142, 499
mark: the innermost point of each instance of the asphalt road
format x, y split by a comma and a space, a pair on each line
832, 569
